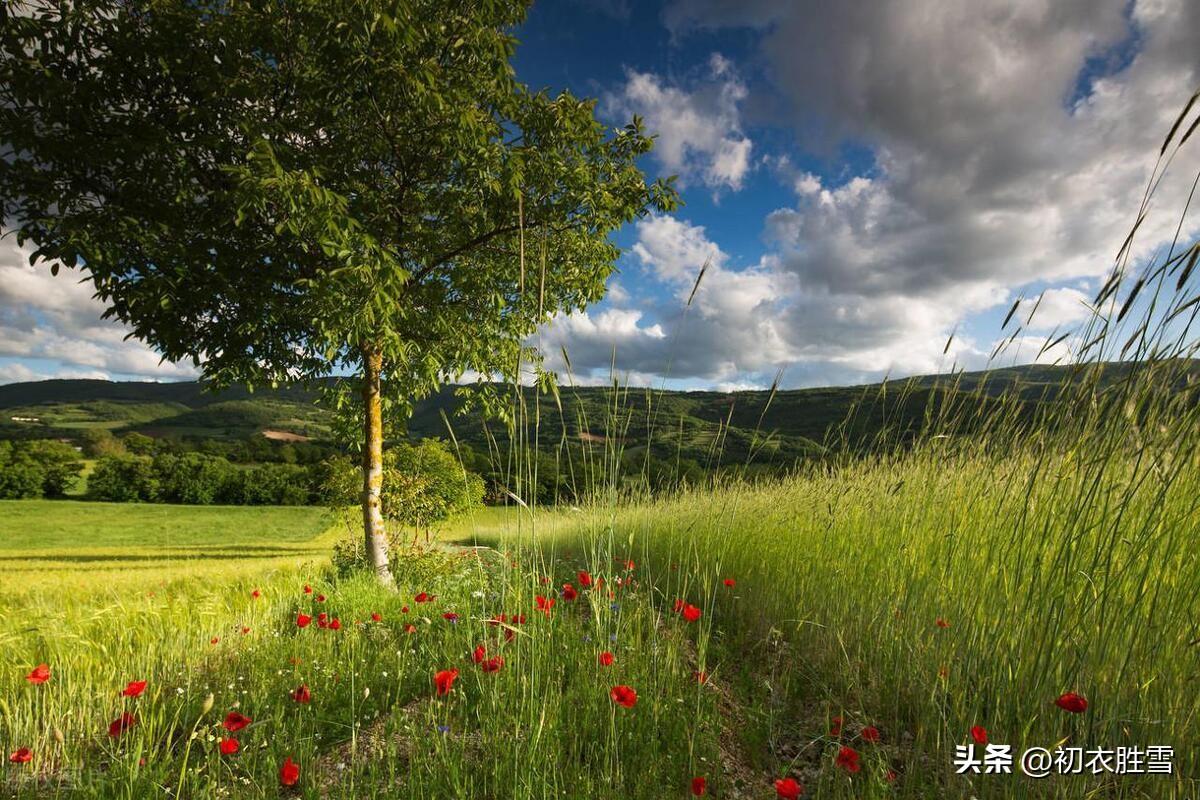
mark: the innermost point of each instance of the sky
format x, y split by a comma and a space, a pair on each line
863, 180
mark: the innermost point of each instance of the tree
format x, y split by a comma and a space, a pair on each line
280, 191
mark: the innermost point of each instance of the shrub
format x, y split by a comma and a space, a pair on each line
193, 478
37, 468
124, 479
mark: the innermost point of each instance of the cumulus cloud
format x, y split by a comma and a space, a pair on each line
699, 128
1010, 144
46, 318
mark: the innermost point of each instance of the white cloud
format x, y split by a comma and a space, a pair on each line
56, 319
699, 130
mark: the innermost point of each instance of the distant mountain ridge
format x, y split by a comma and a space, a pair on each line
681, 424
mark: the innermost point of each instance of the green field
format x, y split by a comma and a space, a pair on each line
919, 594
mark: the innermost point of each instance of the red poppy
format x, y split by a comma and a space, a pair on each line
121, 724
376, 616
335, 624
517, 619
410, 628
302, 694
788, 789
302, 620
307, 589
941, 623
729, 583
23, 756
890, 776
320, 598
835, 727
228, 746
134, 689
450, 615
1070, 701
289, 773
679, 604
847, 759
979, 734
606, 659
943, 672
423, 598
691, 613
585, 578
870, 734
543, 580
214, 640
630, 565
544, 604
496, 620
245, 630
256, 594
492, 664
39, 675
701, 676
569, 593
699, 787
623, 696
234, 721
403, 609
480, 654
444, 680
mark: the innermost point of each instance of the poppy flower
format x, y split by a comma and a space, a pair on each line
979, 734
699, 787
941, 623
423, 598
320, 598
835, 727
480, 654
606, 659
788, 789
623, 696
890, 776
234, 721
499, 618
630, 565
544, 604
444, 680
451, 616
492, 664
245, 630
39, 675
568, 592
256, 594
376, 616
303, 620
121, 724
870, 734
302, 694
729, 583
289, 773
228, 746
307, 589
1070, 701
943, 672
585, 578
847, 759
679, 604
691, 613
335, 624
701, 676
517, 619
410, 628
134, 689
23, 756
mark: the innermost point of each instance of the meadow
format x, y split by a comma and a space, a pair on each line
845, 629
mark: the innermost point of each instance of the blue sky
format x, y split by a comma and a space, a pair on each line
863, 179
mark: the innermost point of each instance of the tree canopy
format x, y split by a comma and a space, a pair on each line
283, 190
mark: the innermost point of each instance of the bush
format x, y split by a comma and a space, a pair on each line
37, 468
193, 478
124, 479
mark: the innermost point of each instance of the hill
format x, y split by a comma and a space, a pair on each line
703, 427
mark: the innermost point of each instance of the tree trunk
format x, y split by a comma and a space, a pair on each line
376, 535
